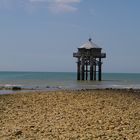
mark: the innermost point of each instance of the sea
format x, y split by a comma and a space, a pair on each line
66, 80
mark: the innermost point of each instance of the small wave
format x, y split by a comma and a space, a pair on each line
10, 85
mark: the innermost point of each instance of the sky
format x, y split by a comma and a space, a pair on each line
41, 35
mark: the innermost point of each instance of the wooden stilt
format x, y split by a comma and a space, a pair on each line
86, 70
91, 72
100, 70
91, 68
83, 69
95, 72
78, 69
83, 73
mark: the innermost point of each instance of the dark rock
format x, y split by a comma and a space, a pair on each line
17, 133
16, 88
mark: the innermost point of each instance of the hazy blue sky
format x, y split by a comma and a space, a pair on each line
41, 35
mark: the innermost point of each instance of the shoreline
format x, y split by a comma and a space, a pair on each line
13, 90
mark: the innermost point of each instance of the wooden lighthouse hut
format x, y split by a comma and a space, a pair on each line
89, 64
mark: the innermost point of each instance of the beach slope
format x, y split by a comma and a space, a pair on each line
91, 114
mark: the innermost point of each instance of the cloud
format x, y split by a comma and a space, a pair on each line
57, 6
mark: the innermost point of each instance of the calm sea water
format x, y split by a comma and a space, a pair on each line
67, 80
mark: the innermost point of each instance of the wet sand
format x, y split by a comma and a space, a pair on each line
74, 115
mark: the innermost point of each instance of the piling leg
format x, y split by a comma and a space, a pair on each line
91, 68
100, 70
83, 69
83, 72
95, 70
91, 72
86, 70
78, 69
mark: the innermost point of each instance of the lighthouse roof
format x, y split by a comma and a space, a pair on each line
89, 45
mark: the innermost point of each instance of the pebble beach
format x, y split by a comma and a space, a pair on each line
70, 115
